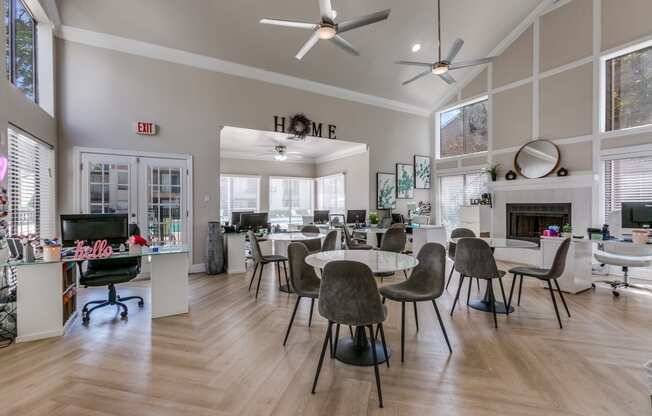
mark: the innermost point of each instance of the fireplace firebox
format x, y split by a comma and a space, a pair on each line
527, 221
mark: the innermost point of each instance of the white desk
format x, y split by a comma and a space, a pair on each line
577, 275
421, 234
39, 291
281, 241
236, 261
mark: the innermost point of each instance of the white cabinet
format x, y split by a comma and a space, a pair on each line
476, 218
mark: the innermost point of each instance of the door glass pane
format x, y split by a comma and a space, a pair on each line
108, 188
164, 210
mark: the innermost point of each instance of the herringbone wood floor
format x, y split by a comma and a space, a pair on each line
225, 358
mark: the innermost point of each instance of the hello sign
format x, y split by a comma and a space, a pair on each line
100, 250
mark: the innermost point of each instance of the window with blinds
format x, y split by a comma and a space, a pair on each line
30, 187
627, 180
456, 191
290, 199
238, 193
331, 193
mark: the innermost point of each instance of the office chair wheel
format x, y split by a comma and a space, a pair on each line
616, 293
85, 319
123, 314
141, 304
593, 286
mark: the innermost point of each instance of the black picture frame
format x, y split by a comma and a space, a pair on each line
388, 195
409, 193
415, 161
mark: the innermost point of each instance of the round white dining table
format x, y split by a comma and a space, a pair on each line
356, 350
484, 304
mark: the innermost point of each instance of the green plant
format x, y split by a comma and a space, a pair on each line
493, 171
566, 228
374, 219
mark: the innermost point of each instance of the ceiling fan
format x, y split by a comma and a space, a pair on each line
281, 153
442, 66
327, 29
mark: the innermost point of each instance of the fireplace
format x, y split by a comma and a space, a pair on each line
527, 221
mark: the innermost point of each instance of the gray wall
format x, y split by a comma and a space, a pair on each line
356, 169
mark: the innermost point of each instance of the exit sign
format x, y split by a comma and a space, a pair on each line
145, 128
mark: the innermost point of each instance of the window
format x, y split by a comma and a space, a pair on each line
31, 187
627, 180
463, 130
289, 200
331, 193
456, 191
238, 193
20, 55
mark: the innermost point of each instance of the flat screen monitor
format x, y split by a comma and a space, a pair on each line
321, 216
235, 216
251, 220
636, 215
398, 219
356, 216
93, 227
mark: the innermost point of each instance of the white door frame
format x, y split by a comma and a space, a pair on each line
77, 177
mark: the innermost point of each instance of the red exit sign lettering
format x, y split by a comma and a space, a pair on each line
145, 128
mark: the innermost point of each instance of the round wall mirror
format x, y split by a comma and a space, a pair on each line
537, 159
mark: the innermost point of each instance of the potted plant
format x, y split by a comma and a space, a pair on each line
374, 219
493, 172
566, 230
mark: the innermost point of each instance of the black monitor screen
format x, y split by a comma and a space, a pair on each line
93, 227
235, 216
637, 214
321, 216
356, 216
250, 220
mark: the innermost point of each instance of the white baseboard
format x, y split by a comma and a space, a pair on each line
198, 268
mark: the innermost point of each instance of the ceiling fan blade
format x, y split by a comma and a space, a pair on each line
289, 23
412, 63
308, 45
362, 21
454, 50
423, 74
474, 62
344, 44
326, 10
448, 78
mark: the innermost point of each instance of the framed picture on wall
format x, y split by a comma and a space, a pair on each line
422, 172
385, 190
404, 181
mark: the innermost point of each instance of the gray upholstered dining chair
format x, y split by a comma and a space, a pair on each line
349, 296
394, 240
474, 258
313, 245
458, 233
304, 281
330, 241
260, 261
426, 283
351, 244
549, 275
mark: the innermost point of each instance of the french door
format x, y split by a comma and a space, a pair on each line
152, 191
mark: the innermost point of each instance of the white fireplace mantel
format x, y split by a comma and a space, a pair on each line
573, 180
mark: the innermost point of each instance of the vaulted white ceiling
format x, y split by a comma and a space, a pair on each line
229, 30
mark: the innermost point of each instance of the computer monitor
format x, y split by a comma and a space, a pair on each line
253, 221
636, 215
321, 216
114, 228
398, 219
356, 216
235, 216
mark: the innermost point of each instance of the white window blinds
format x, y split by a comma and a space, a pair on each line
456, 191
627, 180
331, 193
290, 199
238, 193
30, 186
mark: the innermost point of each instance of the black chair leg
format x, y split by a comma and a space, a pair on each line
511, 291
321, 356
520, 289
492, 299
337, 338
294, 313
382, 338
405, 273
502, 291
441, 324
253, 276
477, 282
278, 273
457, 296
312, 306
416, 315
402, 331
468, 295
376, 372
554, 302
285, 272
351, 330
260, 276
450, 277
561, 295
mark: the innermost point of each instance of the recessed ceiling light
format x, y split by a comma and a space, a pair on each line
416, 47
